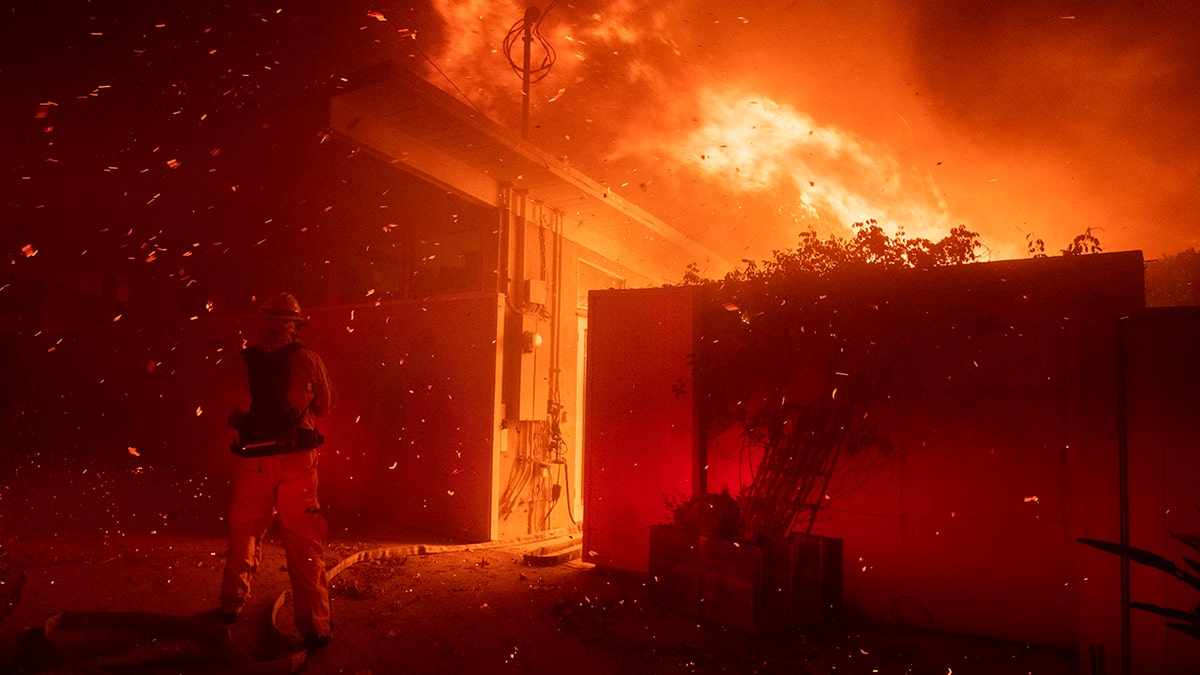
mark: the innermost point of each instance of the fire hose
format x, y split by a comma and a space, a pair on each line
180, 640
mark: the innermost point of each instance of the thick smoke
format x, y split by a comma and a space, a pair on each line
748, 122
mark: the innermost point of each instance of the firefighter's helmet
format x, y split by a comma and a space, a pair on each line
283, 307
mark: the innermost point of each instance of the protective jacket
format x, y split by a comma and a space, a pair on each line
272, 426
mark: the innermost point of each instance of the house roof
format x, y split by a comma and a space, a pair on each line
418, 127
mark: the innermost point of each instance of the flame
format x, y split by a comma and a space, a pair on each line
471, 59
818, 174
471, 56
620, 71
470, 27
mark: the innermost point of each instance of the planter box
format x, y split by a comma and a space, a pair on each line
758, 589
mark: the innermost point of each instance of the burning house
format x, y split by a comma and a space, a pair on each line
1033, 402
492, 321
452, 311
506, 357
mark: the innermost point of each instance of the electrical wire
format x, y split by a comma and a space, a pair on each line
447, 79
516, 33
532, 441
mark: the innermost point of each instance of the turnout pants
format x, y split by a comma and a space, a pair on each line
283, 485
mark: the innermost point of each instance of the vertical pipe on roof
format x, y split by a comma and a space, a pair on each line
531, 17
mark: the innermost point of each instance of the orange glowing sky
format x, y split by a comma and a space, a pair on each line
739, 123
742, 123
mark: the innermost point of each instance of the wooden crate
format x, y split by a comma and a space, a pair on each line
758, 589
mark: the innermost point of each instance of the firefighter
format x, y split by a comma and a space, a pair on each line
276, 473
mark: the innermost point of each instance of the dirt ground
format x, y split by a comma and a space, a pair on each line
99, 546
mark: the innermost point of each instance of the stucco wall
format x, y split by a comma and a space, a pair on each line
1002, 417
